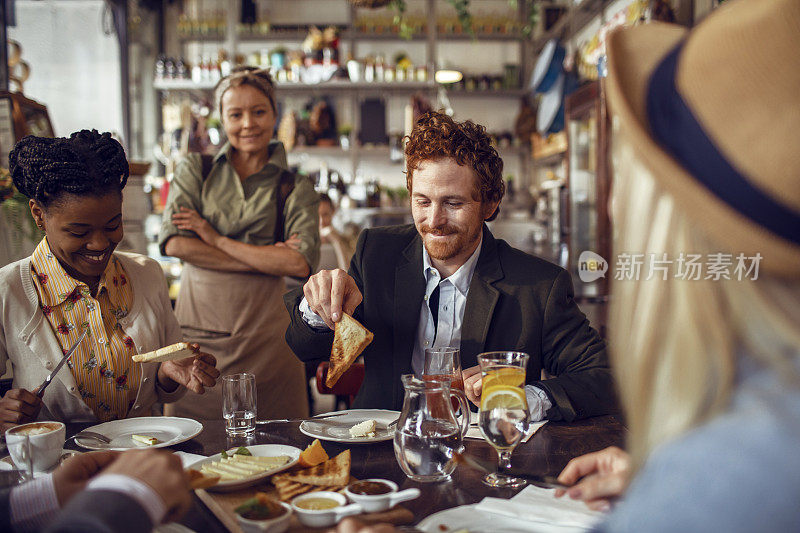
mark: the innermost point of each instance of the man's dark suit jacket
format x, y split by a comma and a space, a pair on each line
98, 511
515, 302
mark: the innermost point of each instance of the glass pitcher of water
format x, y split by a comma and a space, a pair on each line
428, 431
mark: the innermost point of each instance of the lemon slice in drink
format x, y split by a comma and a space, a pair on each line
514, 377
503, 396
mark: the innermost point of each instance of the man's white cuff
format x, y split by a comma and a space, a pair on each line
538, 402
33, 504
310, 317
138, 490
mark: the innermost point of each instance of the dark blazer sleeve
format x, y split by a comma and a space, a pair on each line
574, 352
5, 509
307, 343
101, 511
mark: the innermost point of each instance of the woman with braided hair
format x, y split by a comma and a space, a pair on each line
75, 281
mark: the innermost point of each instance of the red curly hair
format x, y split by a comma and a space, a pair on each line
436, 135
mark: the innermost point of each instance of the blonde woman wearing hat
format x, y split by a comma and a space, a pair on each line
707, 161
240, 222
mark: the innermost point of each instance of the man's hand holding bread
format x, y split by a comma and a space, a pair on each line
331, 292
334, 295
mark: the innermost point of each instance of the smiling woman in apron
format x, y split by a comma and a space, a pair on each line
240, 221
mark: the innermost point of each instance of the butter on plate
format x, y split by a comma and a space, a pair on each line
364, 429
145, 439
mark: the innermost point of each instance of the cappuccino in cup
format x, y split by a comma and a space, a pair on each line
35, 428
46, 444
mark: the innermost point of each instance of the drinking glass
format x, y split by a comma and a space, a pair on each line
239, 404
504, 416
444, 363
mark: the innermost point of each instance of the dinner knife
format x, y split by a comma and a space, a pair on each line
312, 419
548, 482
64, 359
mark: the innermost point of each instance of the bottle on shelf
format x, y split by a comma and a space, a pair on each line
181, 72
160, 67
197, 70
213, 71
369, 70
224, 64
353, 69
169, 68
380, 67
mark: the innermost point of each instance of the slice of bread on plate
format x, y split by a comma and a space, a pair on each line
332, 473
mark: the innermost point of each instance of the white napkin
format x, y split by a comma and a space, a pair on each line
536, 504
475, 432
189, 459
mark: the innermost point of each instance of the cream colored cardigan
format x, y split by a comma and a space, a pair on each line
28, 341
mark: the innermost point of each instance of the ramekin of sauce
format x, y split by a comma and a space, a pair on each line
262, 515
378, 494
318, 504
370, 488
323, 509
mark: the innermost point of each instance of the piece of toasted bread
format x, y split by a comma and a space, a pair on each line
198, 480
288, 489
332, 473
349, 340
173, 352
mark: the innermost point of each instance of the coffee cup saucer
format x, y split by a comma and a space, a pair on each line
6, 463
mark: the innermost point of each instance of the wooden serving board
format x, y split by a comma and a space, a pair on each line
222, 505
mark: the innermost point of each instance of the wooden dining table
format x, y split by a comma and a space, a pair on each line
547, 452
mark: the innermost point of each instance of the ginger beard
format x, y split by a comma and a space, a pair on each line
448, 241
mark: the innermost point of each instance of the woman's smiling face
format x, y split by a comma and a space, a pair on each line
82, 231
248, 118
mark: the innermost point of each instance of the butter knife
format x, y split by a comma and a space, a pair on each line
548, 482
313, 418
64, 359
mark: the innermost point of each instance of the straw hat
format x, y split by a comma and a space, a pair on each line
719, 125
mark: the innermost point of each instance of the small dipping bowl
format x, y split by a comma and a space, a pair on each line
279, 524
375, 495
324, 517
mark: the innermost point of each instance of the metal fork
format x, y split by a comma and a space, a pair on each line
92, 435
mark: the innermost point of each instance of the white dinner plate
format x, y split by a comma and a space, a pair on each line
258, 450
169, 430
337, 429
467, 517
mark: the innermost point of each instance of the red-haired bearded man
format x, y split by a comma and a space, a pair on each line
490, 295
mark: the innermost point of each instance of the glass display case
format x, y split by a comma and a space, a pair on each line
588, 183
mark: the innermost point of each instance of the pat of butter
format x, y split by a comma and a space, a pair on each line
145, 439
363, 429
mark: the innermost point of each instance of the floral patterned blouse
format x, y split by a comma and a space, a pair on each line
107, 377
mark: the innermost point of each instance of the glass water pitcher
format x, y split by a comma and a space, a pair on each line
428, 431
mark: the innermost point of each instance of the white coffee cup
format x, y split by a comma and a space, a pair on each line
47, 442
